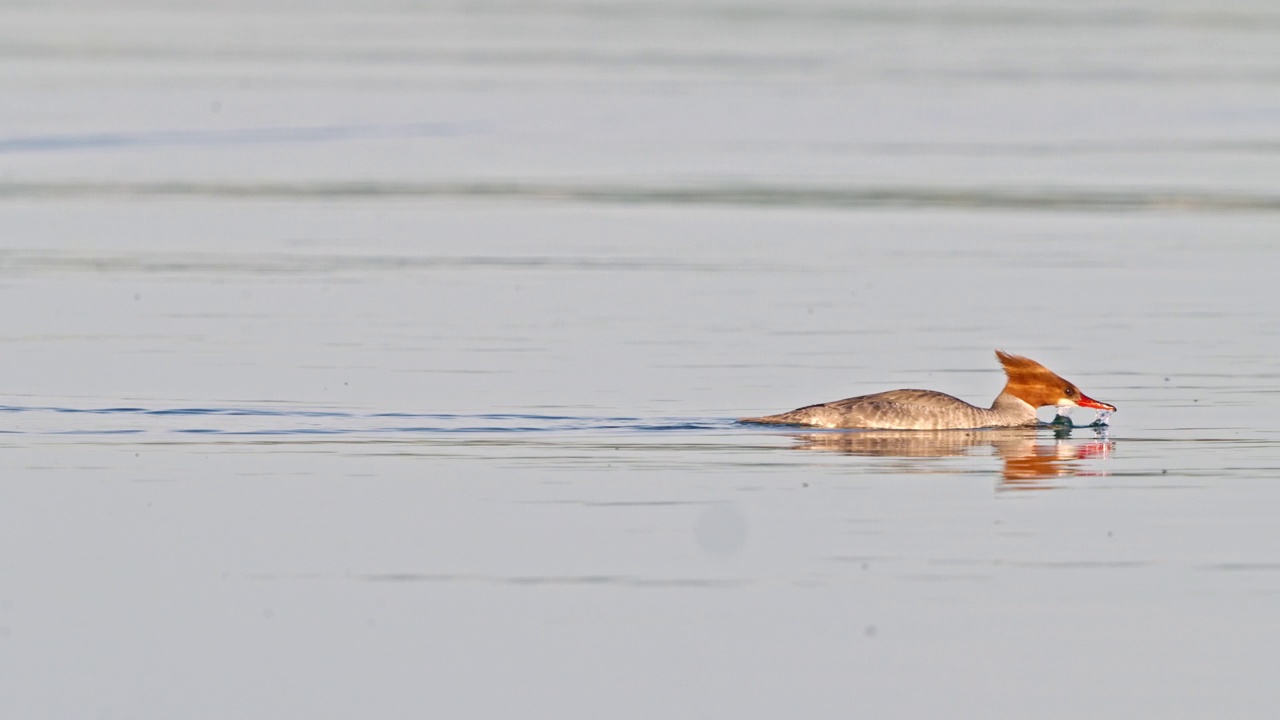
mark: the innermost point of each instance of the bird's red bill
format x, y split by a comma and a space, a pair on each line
1086, 401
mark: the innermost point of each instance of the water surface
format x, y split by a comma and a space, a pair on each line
383, 361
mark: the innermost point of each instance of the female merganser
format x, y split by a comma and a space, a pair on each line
1030, 385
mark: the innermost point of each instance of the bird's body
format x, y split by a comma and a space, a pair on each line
1029, 385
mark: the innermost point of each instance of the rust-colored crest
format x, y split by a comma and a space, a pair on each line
1033, 382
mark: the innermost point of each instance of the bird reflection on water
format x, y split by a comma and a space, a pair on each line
1029, 461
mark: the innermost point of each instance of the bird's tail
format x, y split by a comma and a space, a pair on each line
767, 420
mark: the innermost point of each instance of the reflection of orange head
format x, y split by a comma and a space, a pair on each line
1024, 471
1038, 386
1041, 462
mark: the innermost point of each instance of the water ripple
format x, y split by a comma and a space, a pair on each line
246, 421
240, 136
748, 194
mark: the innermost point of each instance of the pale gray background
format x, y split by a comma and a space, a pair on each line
457, 302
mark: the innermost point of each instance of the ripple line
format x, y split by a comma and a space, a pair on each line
1043, 199
239, 136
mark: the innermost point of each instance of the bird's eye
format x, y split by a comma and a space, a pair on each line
1070, 392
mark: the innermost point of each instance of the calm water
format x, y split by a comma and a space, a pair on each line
379, 360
